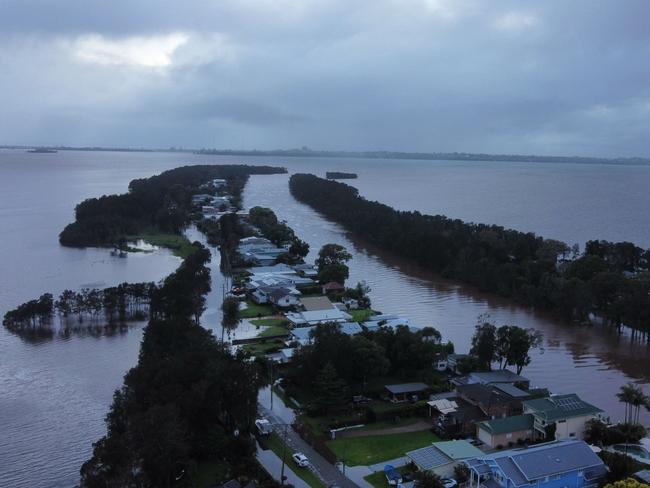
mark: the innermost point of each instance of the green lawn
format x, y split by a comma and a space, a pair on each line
275, 443
271, 327
361, 314
269, 322
263, 348
377, 448
254, 310
179, 244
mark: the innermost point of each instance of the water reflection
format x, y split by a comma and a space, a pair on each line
574, 358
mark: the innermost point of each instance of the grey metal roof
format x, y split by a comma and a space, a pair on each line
643, 475
429, 457
500, 376
512, 390
523, 465
406, 388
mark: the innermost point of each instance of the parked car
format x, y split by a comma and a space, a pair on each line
300, 459
263, 426
449, 482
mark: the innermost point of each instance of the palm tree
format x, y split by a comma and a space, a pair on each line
634, 398
627, 396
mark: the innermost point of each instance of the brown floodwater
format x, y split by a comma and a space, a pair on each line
54, 394
592, 361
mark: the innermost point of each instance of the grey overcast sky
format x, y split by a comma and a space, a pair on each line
544, 77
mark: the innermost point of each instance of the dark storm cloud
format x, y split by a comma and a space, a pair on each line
551, 77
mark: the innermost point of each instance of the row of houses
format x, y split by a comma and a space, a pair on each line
557, 464
500, 409
259, 251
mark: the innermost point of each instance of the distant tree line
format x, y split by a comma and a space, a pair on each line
611, 280
188, 400
127, 301
161, 203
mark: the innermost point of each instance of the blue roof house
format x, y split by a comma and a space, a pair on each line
559, 464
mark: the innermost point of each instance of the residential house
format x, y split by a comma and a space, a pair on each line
284, 297
442, 457
303, 335
493, 378
493, 402
561, 416
453, 361
459, 421
316, 303
505, 431
405, 392
561, 464
315, 317
332, 287
306, 270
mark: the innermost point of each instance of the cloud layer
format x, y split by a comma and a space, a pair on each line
551, 77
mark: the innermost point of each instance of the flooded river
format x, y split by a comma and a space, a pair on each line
54, 394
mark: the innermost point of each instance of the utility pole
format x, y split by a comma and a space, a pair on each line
284, 449
271, 387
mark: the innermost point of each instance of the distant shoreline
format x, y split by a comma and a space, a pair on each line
309, 153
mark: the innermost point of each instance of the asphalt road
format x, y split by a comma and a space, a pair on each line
327, 472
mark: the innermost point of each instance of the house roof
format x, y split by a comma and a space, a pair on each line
302, 334
557, 407
505, 425
333, 285
512, 390
500, 376
485, 395
427, 458
643, 475
458, 449
444, 405
523, 466
316, 303
350, 328
406, 388
442, 453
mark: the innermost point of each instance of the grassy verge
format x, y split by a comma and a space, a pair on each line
276, 444
179, 245
377, 448
269, 322
253, 310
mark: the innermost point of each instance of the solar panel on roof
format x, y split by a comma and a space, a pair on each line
569, 404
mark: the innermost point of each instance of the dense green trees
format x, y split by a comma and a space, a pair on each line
90, 306
360, 358
267, 222
162, 203
331, 263
508, 345
188, 399
611, 280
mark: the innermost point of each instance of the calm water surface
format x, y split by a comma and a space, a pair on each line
54, 394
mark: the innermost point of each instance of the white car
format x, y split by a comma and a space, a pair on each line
449, 482
300, 459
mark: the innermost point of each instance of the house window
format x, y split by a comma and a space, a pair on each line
572, 434
509, 435
561, 421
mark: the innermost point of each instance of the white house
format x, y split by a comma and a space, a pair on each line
317, 317
566, 414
